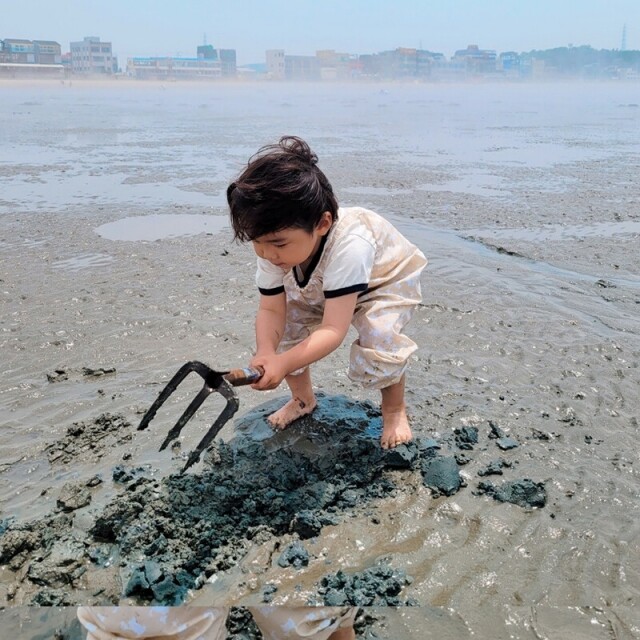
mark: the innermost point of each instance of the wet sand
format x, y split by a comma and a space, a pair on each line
529, 325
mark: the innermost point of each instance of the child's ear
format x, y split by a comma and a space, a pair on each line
325, 223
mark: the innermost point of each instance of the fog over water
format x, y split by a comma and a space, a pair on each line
146, 144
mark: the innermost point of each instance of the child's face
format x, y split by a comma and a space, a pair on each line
291, 247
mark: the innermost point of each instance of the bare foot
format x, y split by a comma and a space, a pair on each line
294, 409
395, 430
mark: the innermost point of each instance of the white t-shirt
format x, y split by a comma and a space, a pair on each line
361, 253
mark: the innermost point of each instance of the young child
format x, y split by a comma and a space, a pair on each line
321, 269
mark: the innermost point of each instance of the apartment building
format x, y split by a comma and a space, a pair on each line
301, 68
284, 67
34, 57
47, 52
31, 51
275, 64
18, 51
226, 58
228, 63
91, 56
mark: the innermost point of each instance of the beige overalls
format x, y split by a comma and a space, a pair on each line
362, 253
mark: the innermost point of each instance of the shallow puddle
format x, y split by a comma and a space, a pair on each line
161, 226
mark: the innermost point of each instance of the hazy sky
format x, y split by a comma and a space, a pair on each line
172, 27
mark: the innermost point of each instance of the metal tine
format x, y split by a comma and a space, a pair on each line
200, 368
227, 413
203, 394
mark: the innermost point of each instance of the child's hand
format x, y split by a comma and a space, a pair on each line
274, 371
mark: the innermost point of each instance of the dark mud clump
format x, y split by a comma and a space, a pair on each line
524, 493
494, 468
59, 375
441, 474
306, 524
294, 555
170, 535
160, 538
503, 441
48, 555
376, 586
188, 527
268, 592
466, 437
90, 440
74, 495
97, 372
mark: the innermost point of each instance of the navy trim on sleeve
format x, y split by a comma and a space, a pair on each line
271, 292
336, 293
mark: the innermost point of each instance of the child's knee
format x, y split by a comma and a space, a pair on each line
376, 368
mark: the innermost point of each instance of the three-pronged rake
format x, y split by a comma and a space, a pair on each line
220, 381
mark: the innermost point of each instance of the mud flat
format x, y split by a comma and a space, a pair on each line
528, 335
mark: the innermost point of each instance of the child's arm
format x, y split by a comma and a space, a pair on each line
338, 313
270, 321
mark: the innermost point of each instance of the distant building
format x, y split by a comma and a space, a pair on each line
536, 69
209, 63
284, 67
207, 52
35, 57
168, 68
31, 51
301, 68
509, 64
20, 51
47, 52
337, 66
275, 64
228, 63
226, 57
476, 61
93, 57
401, 63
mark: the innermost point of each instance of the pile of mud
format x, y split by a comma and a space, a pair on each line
89, 440
160, 538
376, 586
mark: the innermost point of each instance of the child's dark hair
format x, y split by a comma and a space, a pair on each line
281, 187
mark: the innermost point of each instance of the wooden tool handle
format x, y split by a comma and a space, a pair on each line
238, 377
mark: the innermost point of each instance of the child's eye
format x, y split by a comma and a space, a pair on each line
283, 244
